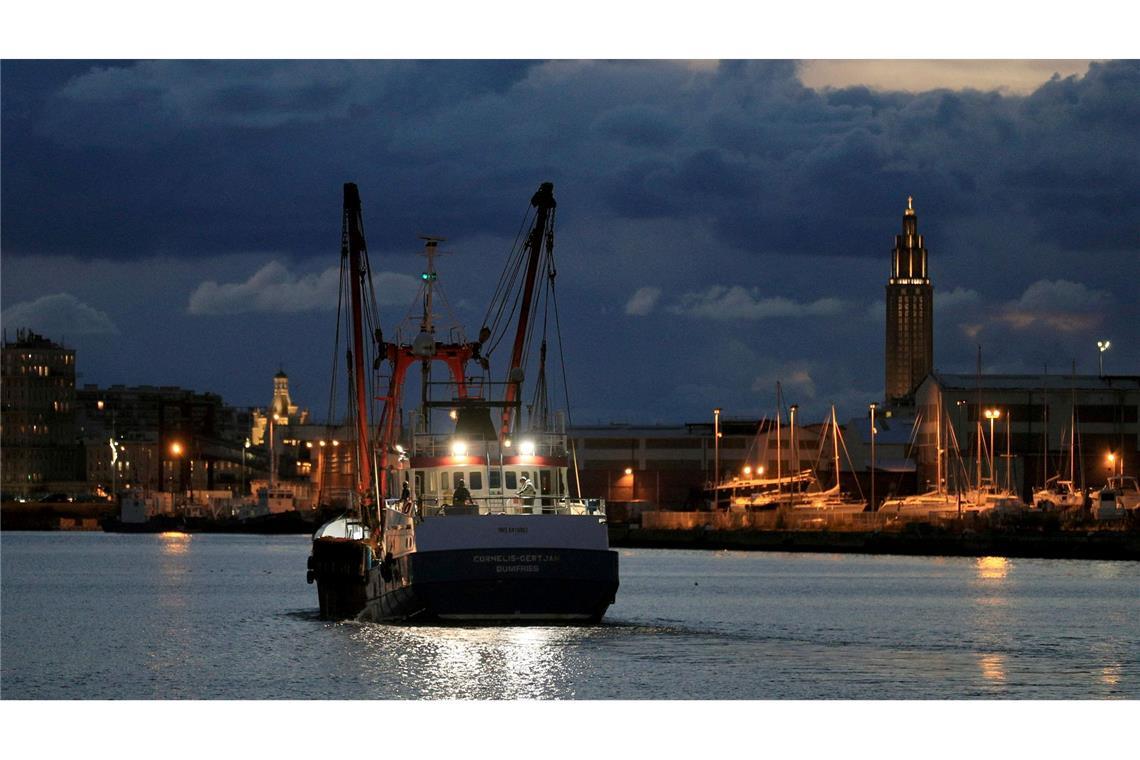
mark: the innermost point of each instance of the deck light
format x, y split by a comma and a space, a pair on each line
747, 470
628, 470
526, 448
458, 448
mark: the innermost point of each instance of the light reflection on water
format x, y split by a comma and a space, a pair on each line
993, 568
993, 667
528, 662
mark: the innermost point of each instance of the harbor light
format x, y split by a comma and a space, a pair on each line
628, 470
176, 449
526, 448
459, 448
1102, 346
747, 470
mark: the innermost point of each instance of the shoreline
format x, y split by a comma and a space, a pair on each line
1092, 544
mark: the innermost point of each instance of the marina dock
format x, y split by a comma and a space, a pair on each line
1044, 536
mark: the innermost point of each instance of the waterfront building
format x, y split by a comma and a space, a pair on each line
37, 432
1031, 417
671, 466
167, 439
910, 314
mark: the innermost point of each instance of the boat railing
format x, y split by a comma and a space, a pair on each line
511, 505
538, 444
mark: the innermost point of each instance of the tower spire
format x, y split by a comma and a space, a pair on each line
910, 312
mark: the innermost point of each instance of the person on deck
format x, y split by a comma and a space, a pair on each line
460, 496
527, 492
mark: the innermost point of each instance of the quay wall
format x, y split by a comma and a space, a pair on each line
871, 533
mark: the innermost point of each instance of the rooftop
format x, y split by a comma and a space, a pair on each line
1038, 382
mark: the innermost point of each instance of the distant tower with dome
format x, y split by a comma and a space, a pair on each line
281, 410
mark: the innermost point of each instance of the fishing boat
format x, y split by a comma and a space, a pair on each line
473, 522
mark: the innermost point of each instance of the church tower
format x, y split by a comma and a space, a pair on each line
282, 408
910, 314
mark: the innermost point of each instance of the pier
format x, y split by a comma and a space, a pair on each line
1030, 535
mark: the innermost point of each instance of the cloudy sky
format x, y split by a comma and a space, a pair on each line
721, 225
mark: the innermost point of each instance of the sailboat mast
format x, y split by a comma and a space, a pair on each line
938, 443
356, 247
779, 450
835, 443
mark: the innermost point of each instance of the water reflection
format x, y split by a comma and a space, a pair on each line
993, 667
476, 663
1110, 674
174, 542
993, 568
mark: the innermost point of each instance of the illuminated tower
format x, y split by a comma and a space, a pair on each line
282, 409
910, 314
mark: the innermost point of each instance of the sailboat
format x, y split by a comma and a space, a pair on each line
1061, 494
831, 500
435, 530
943, 500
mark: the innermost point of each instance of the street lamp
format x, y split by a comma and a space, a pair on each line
244, 452
873, 407
991, 415
176, 452
1102, 346
716, 447
795, 455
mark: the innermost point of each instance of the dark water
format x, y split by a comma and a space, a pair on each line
103, 616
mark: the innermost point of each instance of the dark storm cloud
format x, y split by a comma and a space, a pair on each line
724, 211
201, 157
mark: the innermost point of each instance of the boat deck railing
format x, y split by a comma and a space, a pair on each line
509, 505
536, 444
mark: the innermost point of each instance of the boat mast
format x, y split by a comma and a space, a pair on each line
835, 444
779, 452
543, 201
938, 444
357, 272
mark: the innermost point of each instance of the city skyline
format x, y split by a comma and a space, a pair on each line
722, 226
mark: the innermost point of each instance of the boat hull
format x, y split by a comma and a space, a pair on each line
549, 586
340, 568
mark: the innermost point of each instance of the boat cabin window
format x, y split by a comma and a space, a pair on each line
512, 480
544, 481
475, 480
494, 479
419, 483
431, 487
444, 481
